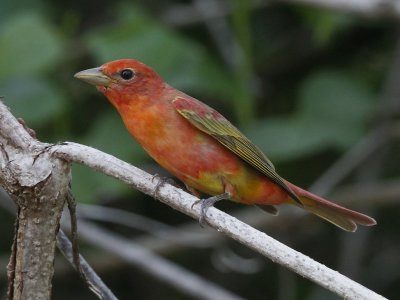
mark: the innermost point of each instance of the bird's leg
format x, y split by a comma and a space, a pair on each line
208, 202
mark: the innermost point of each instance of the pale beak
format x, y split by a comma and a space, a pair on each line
94, 76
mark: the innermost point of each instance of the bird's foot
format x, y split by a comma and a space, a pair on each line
207, 203
161, 181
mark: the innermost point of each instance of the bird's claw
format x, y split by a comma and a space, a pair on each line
205, 204
161, 182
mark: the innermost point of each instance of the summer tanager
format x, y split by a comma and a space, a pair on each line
200, 147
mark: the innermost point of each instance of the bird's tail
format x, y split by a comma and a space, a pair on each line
340, 216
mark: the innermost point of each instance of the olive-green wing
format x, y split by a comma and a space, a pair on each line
213, 123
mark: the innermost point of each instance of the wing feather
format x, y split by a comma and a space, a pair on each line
213, 123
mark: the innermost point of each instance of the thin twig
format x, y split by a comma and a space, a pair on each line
74, 232
350, 161
94, 281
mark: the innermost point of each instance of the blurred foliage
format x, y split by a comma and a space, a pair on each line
44, 46
324, 24
184, 62
23, 59
302, 83
333, 111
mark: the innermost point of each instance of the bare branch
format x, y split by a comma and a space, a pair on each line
71, 203
159, 267
227, 224
94, 281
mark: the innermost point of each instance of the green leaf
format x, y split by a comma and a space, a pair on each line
33, 99
28, 45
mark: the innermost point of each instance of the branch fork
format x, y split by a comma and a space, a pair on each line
37, 176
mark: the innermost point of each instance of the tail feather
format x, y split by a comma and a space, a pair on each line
340, 216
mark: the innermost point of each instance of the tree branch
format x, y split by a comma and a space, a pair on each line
66, 248
55, 156
182, 201
93, 280
38, 184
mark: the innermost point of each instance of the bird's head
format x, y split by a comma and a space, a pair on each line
121, 78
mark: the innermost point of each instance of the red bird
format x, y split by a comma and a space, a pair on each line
199, 146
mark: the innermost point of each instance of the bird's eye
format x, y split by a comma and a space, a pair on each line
126, 74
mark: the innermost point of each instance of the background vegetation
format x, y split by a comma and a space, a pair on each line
304, 84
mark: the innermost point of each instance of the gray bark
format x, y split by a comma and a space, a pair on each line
38, 183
